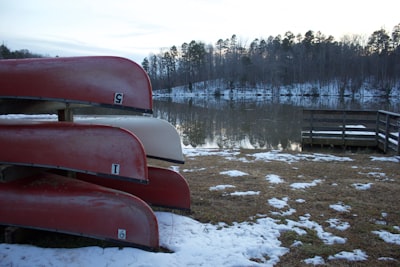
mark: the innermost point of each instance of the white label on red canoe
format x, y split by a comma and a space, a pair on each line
115, 169
118, 98
122, 234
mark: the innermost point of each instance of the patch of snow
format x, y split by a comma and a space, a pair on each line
36, 117
340, 207
198, 152
278, 203
234, 173
388, 237
246, 193
297, 243
282, 213
274, 179
305, 185
194, 170
355, 255
326, 237
338, 224
359, 186
317, 260
174, 168
386, 259
390, 159
221, 187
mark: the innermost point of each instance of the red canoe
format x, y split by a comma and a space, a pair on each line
95, 149
56, 203
98, 80
166, 188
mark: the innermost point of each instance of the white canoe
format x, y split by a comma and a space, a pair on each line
159, 138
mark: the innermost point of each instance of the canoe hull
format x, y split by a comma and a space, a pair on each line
159, 138
97, 80
56, 203
96, 149
166, 188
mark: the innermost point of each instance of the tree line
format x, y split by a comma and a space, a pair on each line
282, 60
275, 61
6, 53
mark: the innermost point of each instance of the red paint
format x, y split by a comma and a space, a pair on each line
97, 80
56, 203
94, 149
166, 188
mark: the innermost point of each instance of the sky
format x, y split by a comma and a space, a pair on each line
136, 29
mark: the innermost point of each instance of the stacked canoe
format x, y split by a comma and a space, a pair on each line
85, 175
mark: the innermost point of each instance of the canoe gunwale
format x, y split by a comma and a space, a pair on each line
166, 159
69, 101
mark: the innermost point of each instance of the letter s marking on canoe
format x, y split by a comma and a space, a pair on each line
115, 168
118, 98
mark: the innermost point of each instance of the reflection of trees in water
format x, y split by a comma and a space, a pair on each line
269, 123
233, 123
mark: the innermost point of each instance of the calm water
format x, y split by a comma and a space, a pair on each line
249, 123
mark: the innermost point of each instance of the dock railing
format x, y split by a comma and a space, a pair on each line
351, 128
388, 131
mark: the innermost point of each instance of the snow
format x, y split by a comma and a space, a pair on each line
304, 222
355, 255
360, 186
338, 224
388, 237
245, 193
340, 207
221, 187
193, 243
305, 185
278, 203
277, 155
274, 179
234, 173
317, 260
390, 159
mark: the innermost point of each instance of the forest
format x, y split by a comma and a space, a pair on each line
282, 60
275, 61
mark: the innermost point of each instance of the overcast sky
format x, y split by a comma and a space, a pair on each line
134, 29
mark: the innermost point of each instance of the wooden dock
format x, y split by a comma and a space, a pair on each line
351, 128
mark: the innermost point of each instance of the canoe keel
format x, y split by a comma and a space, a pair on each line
56, 203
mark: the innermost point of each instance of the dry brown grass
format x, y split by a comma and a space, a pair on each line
338, 178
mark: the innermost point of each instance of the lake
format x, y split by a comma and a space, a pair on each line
271, 123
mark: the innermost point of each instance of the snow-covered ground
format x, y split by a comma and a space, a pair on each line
202, 244
203, 94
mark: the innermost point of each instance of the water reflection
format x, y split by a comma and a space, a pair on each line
248, 123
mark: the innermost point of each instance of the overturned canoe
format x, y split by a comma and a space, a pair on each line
159, 138
96, 149
56, 203
166, 188
97, 80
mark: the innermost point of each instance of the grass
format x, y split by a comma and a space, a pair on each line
374, 209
